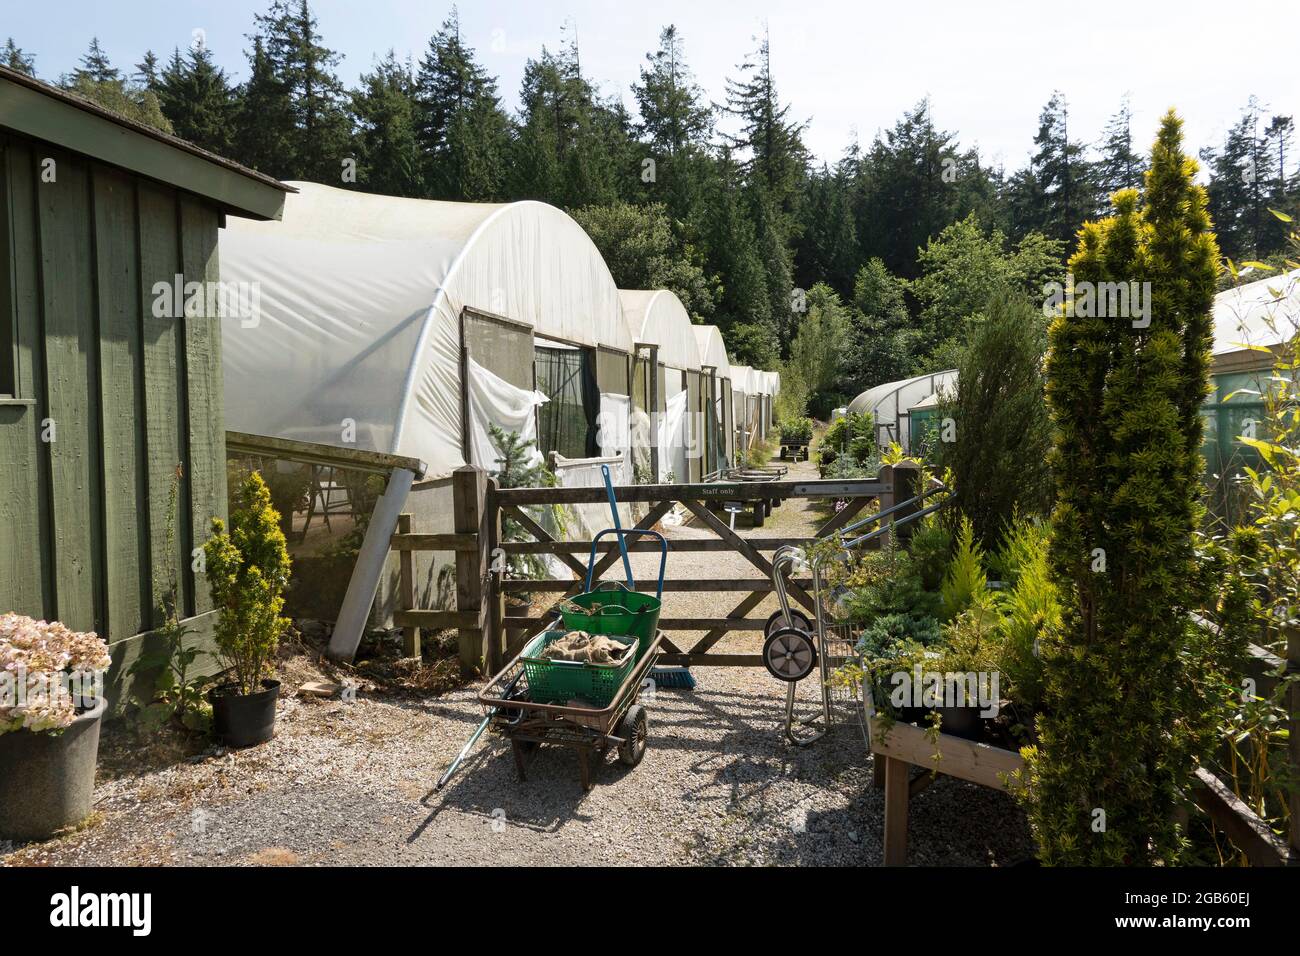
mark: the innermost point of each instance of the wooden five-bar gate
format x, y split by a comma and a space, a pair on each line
489, 634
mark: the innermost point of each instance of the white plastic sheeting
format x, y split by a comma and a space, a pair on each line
889, 403
1242, 315
674, 438
360, 301
713, 351
657, 317
494, 401
614, 427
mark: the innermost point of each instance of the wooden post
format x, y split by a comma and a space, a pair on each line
907, 485
1293, 696
897, 794
885, 500
406, 589
490, 537
469, 492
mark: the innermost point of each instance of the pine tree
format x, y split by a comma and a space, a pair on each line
462, 130
95, 68
777, 159
1243, 185
1279, 133
196, 97
882, 341
1117, 740
264, 117
147, 72
731, 252
913, 183
1119, 167
1065, 190
100, 82
571, 149
675, 124
14, 58
384, 107
827, 249
319, 137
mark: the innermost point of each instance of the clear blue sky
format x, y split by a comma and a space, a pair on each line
847, 66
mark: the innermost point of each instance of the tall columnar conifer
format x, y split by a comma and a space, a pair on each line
1116, 748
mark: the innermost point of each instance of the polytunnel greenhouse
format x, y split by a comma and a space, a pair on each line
890, 404
662, 330
374, 308
714, 449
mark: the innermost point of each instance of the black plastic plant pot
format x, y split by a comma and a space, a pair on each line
244, 720
964, 721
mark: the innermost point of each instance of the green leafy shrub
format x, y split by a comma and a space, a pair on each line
1029, 609
889, 630
520, 466
1120, 733
852, 437
248, 571
931, 547
1001, 431
164, 687
966, 581
799, 429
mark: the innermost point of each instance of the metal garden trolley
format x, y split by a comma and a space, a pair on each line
588, 730
762, 507
794, 646
589, 727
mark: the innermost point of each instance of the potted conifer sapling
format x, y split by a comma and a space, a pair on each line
248, 571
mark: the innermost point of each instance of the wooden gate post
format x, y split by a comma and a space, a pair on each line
490, 538
469, 494
907, 485
406, 589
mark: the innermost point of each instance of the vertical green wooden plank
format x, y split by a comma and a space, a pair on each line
121, 370
71, 371
24, 567
207, 436
160, 263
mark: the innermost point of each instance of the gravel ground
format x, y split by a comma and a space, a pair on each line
352, 783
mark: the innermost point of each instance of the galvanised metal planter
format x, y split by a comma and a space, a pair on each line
47, 781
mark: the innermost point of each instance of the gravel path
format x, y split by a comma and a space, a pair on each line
352, 783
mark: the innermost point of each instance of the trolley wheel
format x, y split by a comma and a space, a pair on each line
633, 729
758, 513
789, 654
797, 619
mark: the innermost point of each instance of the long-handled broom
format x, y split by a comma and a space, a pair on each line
670, 676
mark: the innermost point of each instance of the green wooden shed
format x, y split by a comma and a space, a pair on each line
101, 396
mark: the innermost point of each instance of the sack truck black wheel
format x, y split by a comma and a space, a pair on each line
633, 728
797, 619
789, 654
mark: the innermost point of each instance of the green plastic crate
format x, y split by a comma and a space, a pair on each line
614, 611
558, 682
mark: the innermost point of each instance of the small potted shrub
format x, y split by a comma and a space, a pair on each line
248, 571
51, 706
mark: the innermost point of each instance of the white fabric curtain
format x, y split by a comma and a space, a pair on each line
672, 438
494, 401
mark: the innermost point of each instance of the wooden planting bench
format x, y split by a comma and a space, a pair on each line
898, 748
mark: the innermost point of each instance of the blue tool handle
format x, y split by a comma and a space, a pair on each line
613, 507
663, 555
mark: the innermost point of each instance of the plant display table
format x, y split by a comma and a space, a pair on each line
898, 747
